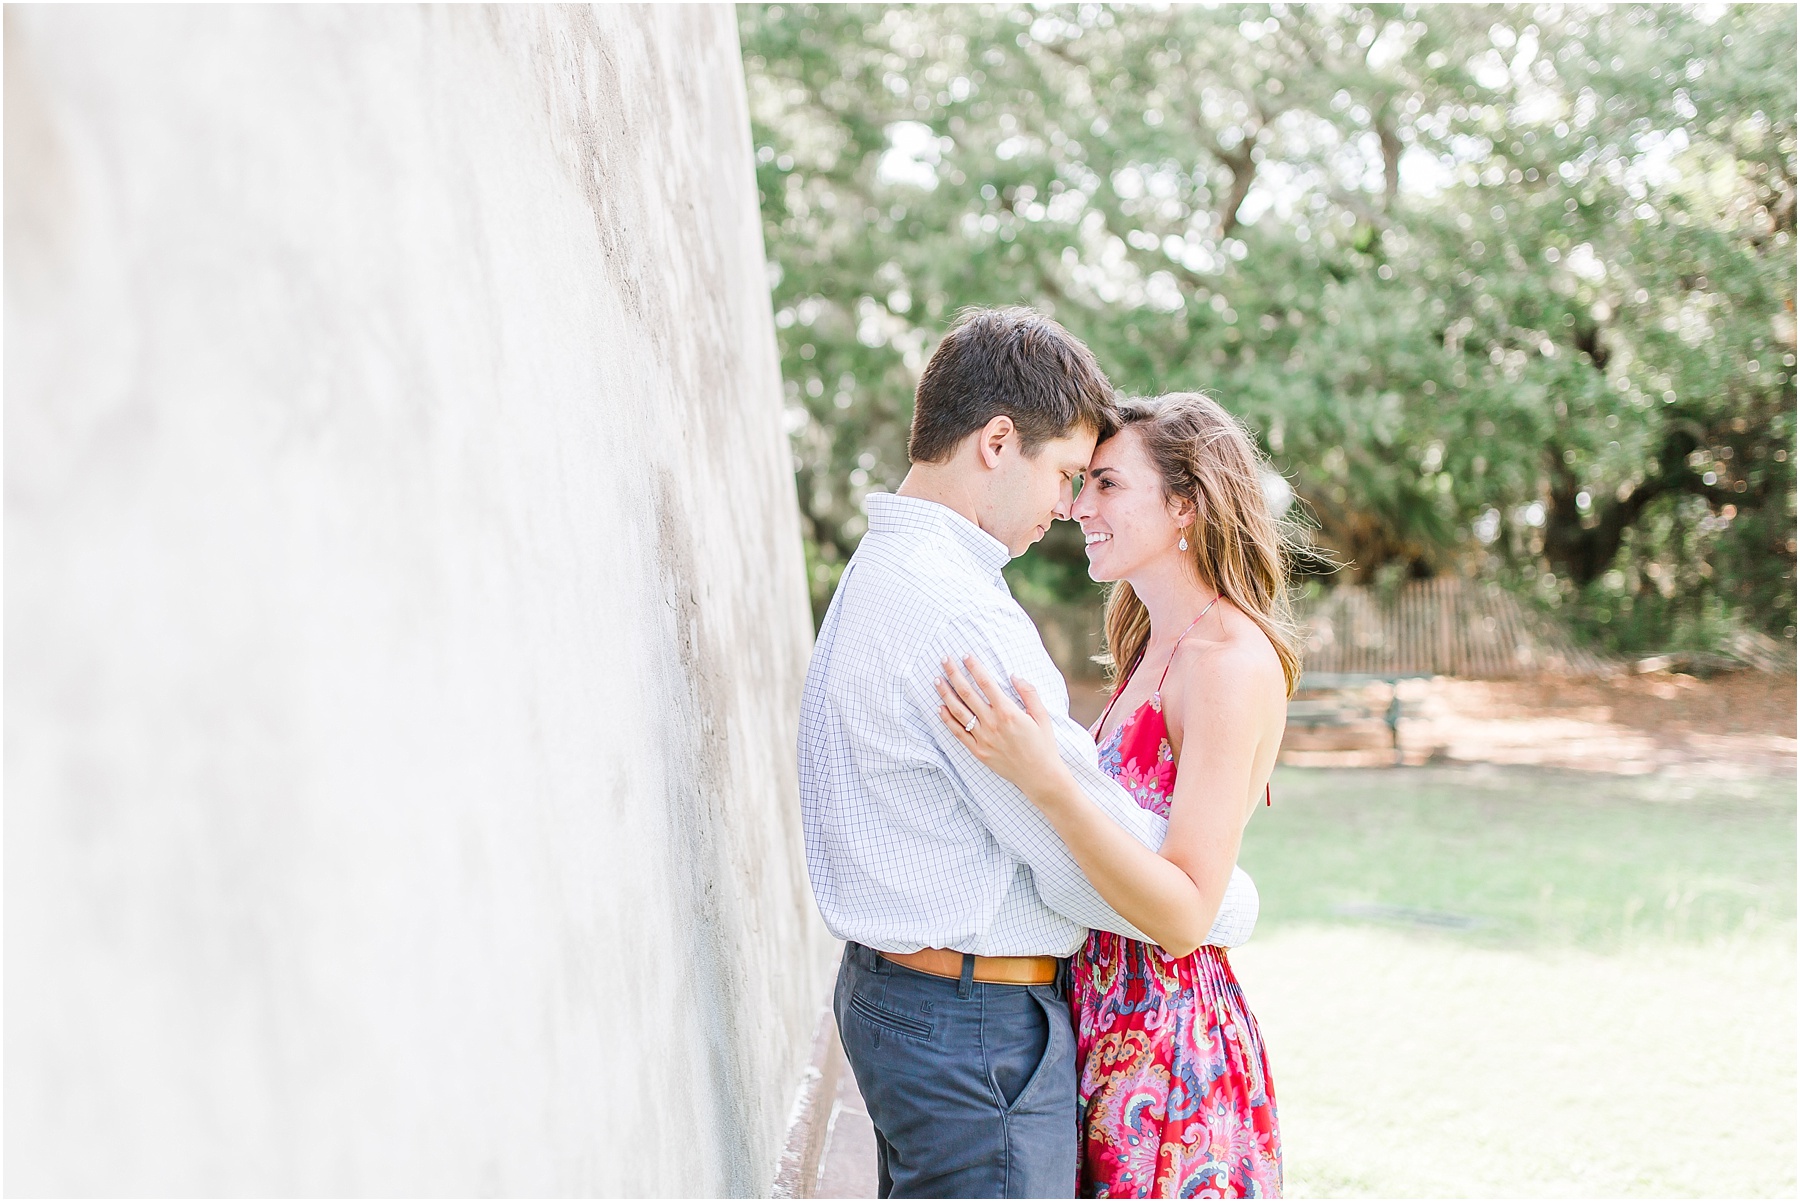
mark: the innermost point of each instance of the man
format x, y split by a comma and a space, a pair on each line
956, 899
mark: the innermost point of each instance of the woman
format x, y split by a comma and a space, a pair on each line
1175, 1092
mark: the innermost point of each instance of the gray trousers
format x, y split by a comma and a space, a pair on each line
971, 1087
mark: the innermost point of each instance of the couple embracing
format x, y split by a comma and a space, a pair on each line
1035, 996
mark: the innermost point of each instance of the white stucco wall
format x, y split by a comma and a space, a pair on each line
405, 614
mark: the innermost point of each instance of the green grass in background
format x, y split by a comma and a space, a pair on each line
1501, 982
1527, 857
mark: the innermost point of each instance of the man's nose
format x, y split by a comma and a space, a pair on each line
1066, 502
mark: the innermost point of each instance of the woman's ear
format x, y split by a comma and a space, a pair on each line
1183, 511
993, 439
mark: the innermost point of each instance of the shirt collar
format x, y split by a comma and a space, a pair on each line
913, 515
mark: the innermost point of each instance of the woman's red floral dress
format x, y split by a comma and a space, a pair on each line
1175, 1094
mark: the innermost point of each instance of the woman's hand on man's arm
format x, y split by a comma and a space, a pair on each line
1018, 743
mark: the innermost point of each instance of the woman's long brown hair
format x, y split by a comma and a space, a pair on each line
1240, 549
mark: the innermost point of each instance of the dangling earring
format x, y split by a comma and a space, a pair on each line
1182, 545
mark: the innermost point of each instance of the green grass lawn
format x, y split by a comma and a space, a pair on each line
1525, 857
1485, 982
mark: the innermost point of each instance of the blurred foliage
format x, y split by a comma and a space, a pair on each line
1506, 291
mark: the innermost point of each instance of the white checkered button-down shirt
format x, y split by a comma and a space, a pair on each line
910, 841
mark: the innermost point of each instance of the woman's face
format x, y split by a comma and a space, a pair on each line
1122, 510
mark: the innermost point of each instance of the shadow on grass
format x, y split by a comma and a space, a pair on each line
1525, 857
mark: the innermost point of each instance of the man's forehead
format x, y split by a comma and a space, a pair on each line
1073, 451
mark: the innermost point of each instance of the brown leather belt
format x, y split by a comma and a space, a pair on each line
990, 970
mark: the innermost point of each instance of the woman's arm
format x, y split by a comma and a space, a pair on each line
1230, 697
1156, 895
1011, 819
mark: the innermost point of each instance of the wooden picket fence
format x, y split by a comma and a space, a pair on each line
1441, 627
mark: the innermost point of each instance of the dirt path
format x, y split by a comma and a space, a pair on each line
1740, 724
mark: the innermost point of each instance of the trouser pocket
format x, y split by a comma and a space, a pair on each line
920, 1053
1031, 1053
899, 1024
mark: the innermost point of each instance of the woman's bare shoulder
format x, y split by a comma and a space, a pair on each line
1240, 657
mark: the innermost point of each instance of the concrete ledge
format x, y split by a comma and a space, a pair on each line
809, 1124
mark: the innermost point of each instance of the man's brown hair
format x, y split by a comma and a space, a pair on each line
1015, 362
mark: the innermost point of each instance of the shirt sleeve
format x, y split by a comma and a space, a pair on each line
1008, 645
1238, 911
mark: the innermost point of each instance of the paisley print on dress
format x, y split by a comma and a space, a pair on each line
1174, 1082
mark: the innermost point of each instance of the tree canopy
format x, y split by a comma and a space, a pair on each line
1506, 291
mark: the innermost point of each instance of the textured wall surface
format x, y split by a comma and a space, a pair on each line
405, 614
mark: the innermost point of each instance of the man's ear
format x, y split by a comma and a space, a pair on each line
993, 439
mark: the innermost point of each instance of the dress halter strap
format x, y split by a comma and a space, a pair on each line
1268, 789
1178, 638
1101, 725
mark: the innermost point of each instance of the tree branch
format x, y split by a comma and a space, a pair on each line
1242, 166
1391, 150
1585, 552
